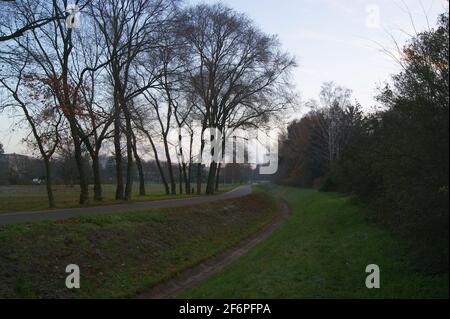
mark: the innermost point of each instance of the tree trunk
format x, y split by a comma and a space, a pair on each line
180, 172
199, 178
190, 178
48, 180
182, 168
97, 177
223, 160
199, 165
128, 134
186, 178
189, 166
84, 189
158, 164
212, 172
163, 177
140, 169
217, 177
211, 178
173, 187
118, 158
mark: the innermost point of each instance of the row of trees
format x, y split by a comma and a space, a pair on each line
135, 70
395, 159
18, 169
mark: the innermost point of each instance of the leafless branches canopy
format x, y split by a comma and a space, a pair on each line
131, 72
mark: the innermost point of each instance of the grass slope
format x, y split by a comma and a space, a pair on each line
322, 252
122, 254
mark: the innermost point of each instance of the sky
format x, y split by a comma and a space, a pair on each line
333, 40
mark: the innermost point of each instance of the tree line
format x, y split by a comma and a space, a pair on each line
394, 159
16, 169
130, 71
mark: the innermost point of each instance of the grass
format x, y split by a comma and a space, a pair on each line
34, 197
123, 254
322, 251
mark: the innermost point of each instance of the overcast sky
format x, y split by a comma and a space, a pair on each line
332, 40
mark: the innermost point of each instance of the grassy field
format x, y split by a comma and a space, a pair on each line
322, 252
122, 254
34, 197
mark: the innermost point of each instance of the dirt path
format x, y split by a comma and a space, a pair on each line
55, 214
193, 276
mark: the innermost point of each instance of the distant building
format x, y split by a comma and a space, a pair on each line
19, 169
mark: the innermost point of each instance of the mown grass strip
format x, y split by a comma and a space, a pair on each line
322, 251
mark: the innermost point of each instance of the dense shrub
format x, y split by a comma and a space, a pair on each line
399, 160
396, 160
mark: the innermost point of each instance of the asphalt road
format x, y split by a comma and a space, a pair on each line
55, 214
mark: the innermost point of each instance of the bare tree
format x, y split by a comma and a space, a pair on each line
15, 18
164, 99
335, 114
50, 50
94, 127
140, 120
236, 70
130, 28
183, 118
140, 168
40, 111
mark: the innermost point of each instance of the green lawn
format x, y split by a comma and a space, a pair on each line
322, 252
34, 197
122, 254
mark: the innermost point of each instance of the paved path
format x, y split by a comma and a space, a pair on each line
193, 276
55, 214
